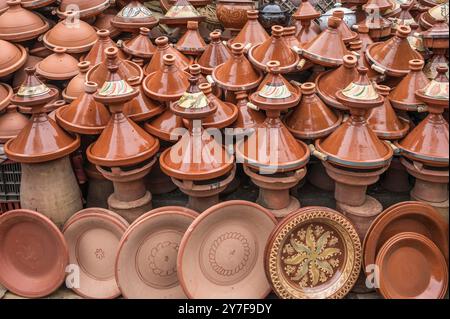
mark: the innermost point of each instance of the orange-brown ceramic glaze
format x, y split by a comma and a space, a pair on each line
215, 53
140, 46
252, 33
97, 54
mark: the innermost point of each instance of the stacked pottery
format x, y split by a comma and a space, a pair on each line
11, 123
180, 13
58, 66
307, 28
379, 26
48, 183
425, 149
272, 157
234, 16
134, 16
252, 33
435, 39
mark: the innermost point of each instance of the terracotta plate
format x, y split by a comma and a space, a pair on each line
411, 216
221, 255
146, 263
33, 254
411, 266
93, 236
313, 253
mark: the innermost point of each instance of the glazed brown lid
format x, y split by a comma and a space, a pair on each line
76, 37
97, 54
134, 16
435, 94
247, 118
313, 253
311, 118
191, 42
84, 115
86, 8
6, 93
306, 11
307, 30
140, 46
58, 66
328, 48
274, 48
328, 83
290, 38
11, 123
163, 48
252, 33
75, 87
168, 83
384, 121
222, 252
364, 37
237, 73
354, 144
346, 33
403, 96
215, 53
33, 254
163, 125
437, 36
19, 24
226, 113
393, 55
12, 57
180, 13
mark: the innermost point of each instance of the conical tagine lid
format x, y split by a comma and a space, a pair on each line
12, 57
133, 16
75, 87
191, 42
435, 93
11, 123
306, 11
180, 13
58, 66
6, 93
252, 33
346, 33
87, 8
163, 48
354, 144
312, 119
225, 114
247, 118
215, 53
97, 54
140, 46
307, 30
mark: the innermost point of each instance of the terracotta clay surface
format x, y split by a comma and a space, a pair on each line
103, 21
34, 254
58, 66
191, 43
247, 118
87, 8
346, 33
313, 253
12, 57
252, 33
221, 254
180, 13
11, 123
163, 125
97, 54
140, 46
225, 114
307, 29
75, 87
233, 14
134, 16
93, 236
6, 93
215, 53
163, 48
411, 267
146, 263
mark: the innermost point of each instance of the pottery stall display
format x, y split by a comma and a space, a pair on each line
428, 18
234, 14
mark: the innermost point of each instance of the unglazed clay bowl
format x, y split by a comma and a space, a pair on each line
33, 254
411, 267
146, 263
93, 236
221, 255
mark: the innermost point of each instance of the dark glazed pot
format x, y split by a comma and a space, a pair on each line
272, 14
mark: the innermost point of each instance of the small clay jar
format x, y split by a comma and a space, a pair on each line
75, 87
97, 54
191, 43
140, 46
252, 33
215, 54
11, 123
58, 66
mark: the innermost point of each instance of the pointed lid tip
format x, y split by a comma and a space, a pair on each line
144, 31
437, 91
90, 87
162, 41
277, 31
403, 31
308, 88
416, 64
103, 33
252, 14
334, 22
84, 66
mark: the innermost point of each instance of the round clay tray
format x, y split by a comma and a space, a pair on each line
409, 216
93, 237
146, 262
33, 254
411, 267
313, 253
221, 255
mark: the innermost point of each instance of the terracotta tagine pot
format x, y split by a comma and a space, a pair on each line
86, 8
428, 19
280, 164
11, 123
403, 97
58, 66
191, 43
18, 24
162, 48
224, 116
379, 26
354, 156
272, 13
12, 58
274, 48
38, 157
199, 166
358, 49
436, 40
215, 54
6, 93
392, 57
233, 15
248, 119
122, 160
71, 33
180, 13
330, 82
252, 33
140, 46
304, 17
75, 87
290, 38
134, 16
346, 33
97, 54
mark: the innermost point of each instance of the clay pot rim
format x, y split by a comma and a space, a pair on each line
397, 211
180, 21
86, 13
394, 135
263, 67
36, 4
198, 222
359, 104
151, 215
78, 49
163, 135
316, 59
425, 241
97, 210
429, 160
158, 96
135, 53
405, 106
144, 116
132, 64
226, 122
317, 134
63, 254
349, 226
75, 128
26, 35
232, 87
172, 208
329, 100
388, 70
55, 76
428, 174
18, 64
4, 104
431, 100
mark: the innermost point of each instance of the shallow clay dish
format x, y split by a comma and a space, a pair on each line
146, 263
410, 216
6, 93
33, 254
221, 255
411, 267
93, 236
313, 253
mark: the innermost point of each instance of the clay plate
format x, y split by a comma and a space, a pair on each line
313, 253
33, 254
411, 267
221, 254
146, 260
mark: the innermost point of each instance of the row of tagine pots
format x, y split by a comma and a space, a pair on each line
234, 249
